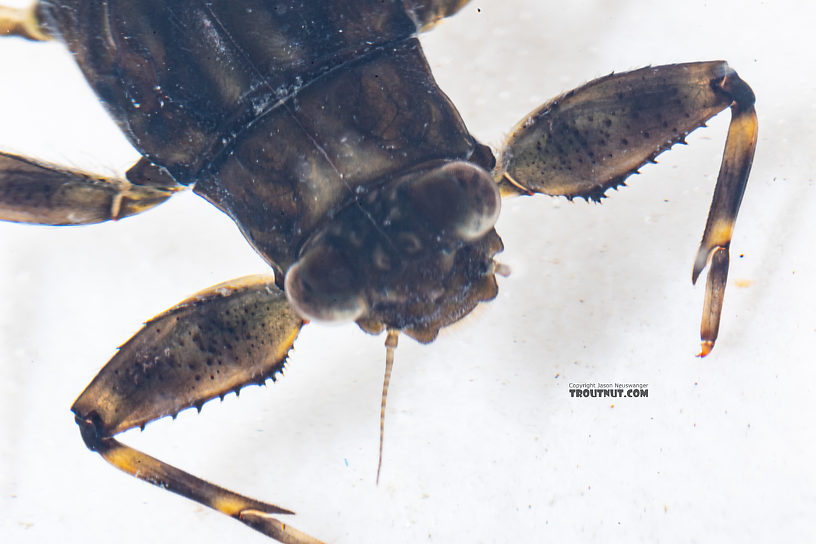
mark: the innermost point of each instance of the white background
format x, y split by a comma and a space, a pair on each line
483, 442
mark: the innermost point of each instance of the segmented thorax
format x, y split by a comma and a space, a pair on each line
318, 128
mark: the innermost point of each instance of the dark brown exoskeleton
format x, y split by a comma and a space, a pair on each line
318, 128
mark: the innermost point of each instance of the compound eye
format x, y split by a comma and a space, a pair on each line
322, 287
482, 200
460, 198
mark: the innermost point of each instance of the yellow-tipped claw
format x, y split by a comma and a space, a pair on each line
707, 347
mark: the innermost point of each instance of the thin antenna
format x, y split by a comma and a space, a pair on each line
390, 346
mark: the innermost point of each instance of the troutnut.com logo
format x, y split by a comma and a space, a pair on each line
607, 390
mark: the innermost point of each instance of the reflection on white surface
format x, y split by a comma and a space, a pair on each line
483, 442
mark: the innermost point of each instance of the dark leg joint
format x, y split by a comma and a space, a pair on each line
147, 173
94, 436
737, 90
483, 156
